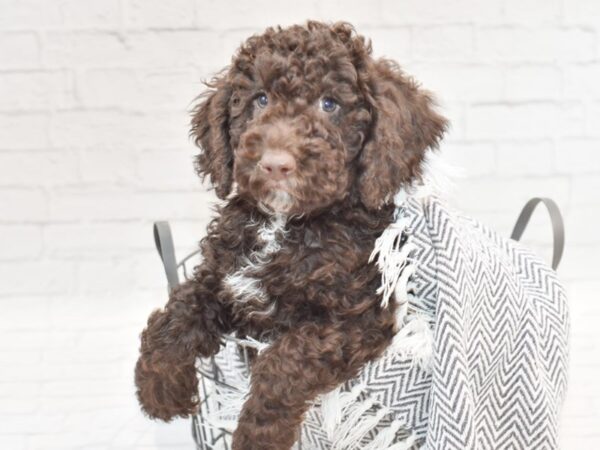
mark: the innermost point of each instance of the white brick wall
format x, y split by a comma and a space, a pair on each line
93, 147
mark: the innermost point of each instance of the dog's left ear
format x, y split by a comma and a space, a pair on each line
210, 130
404, 126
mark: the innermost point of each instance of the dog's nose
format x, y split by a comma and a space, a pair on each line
277, 164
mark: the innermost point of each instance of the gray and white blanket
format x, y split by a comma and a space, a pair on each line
479, 362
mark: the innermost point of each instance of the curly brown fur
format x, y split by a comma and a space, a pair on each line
286, 258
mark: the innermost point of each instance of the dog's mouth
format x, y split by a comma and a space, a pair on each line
277, 201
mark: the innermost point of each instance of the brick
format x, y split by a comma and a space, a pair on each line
578, 262
140, 90
592, 126
416, 12
38, 168
582, 223
443, 43
179, 48
458, 82
471, 159
20, 205
91, 13
29, 15
394, 43
98, 240
116, 277
509, 195
20, 242
85, 48
577, 156
581, 81
582, 12
172, 14
103, 131
526, 158
167, 169
257, 15
51, 277
532, 12
533, 83
501, 121
585, 190
38, 90
535, 45
359, 13
23, 131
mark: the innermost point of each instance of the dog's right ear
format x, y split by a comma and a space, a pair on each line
210, 131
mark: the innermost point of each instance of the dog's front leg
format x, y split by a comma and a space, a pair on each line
293, 371
191, 324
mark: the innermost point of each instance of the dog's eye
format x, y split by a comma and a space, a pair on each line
262, 100
328, 104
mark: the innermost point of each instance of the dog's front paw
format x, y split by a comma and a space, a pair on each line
166, 390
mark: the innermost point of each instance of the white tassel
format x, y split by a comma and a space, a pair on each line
392, 257
385, 437
414, 341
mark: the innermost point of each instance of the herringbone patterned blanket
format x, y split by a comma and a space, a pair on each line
480, 361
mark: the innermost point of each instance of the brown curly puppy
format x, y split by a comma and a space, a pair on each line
307, 137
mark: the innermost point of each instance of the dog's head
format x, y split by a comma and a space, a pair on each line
305, 117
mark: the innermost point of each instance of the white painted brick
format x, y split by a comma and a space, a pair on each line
17, 205
535, 45
582, 225
577, 156
108, 166
582, 12
123, 132
117, 277
500, 121
471, 159
578, 262
585, 190
76, 49
443, 43
90, 13
24, 277
526, 158
23, 131
156, 14
20, 242
593, 121
258, 14
176, 49
528, 12
359, 13
581, 81
458, 11
499, 194
455, 112
15, 442
96, 241
29, 14
394, 43
39, 168
461, 82
533, 83
35, 90
167, 169
140, 90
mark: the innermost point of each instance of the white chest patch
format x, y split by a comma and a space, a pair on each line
246, 288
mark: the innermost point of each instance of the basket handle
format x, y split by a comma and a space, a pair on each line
558, 226
166, 250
